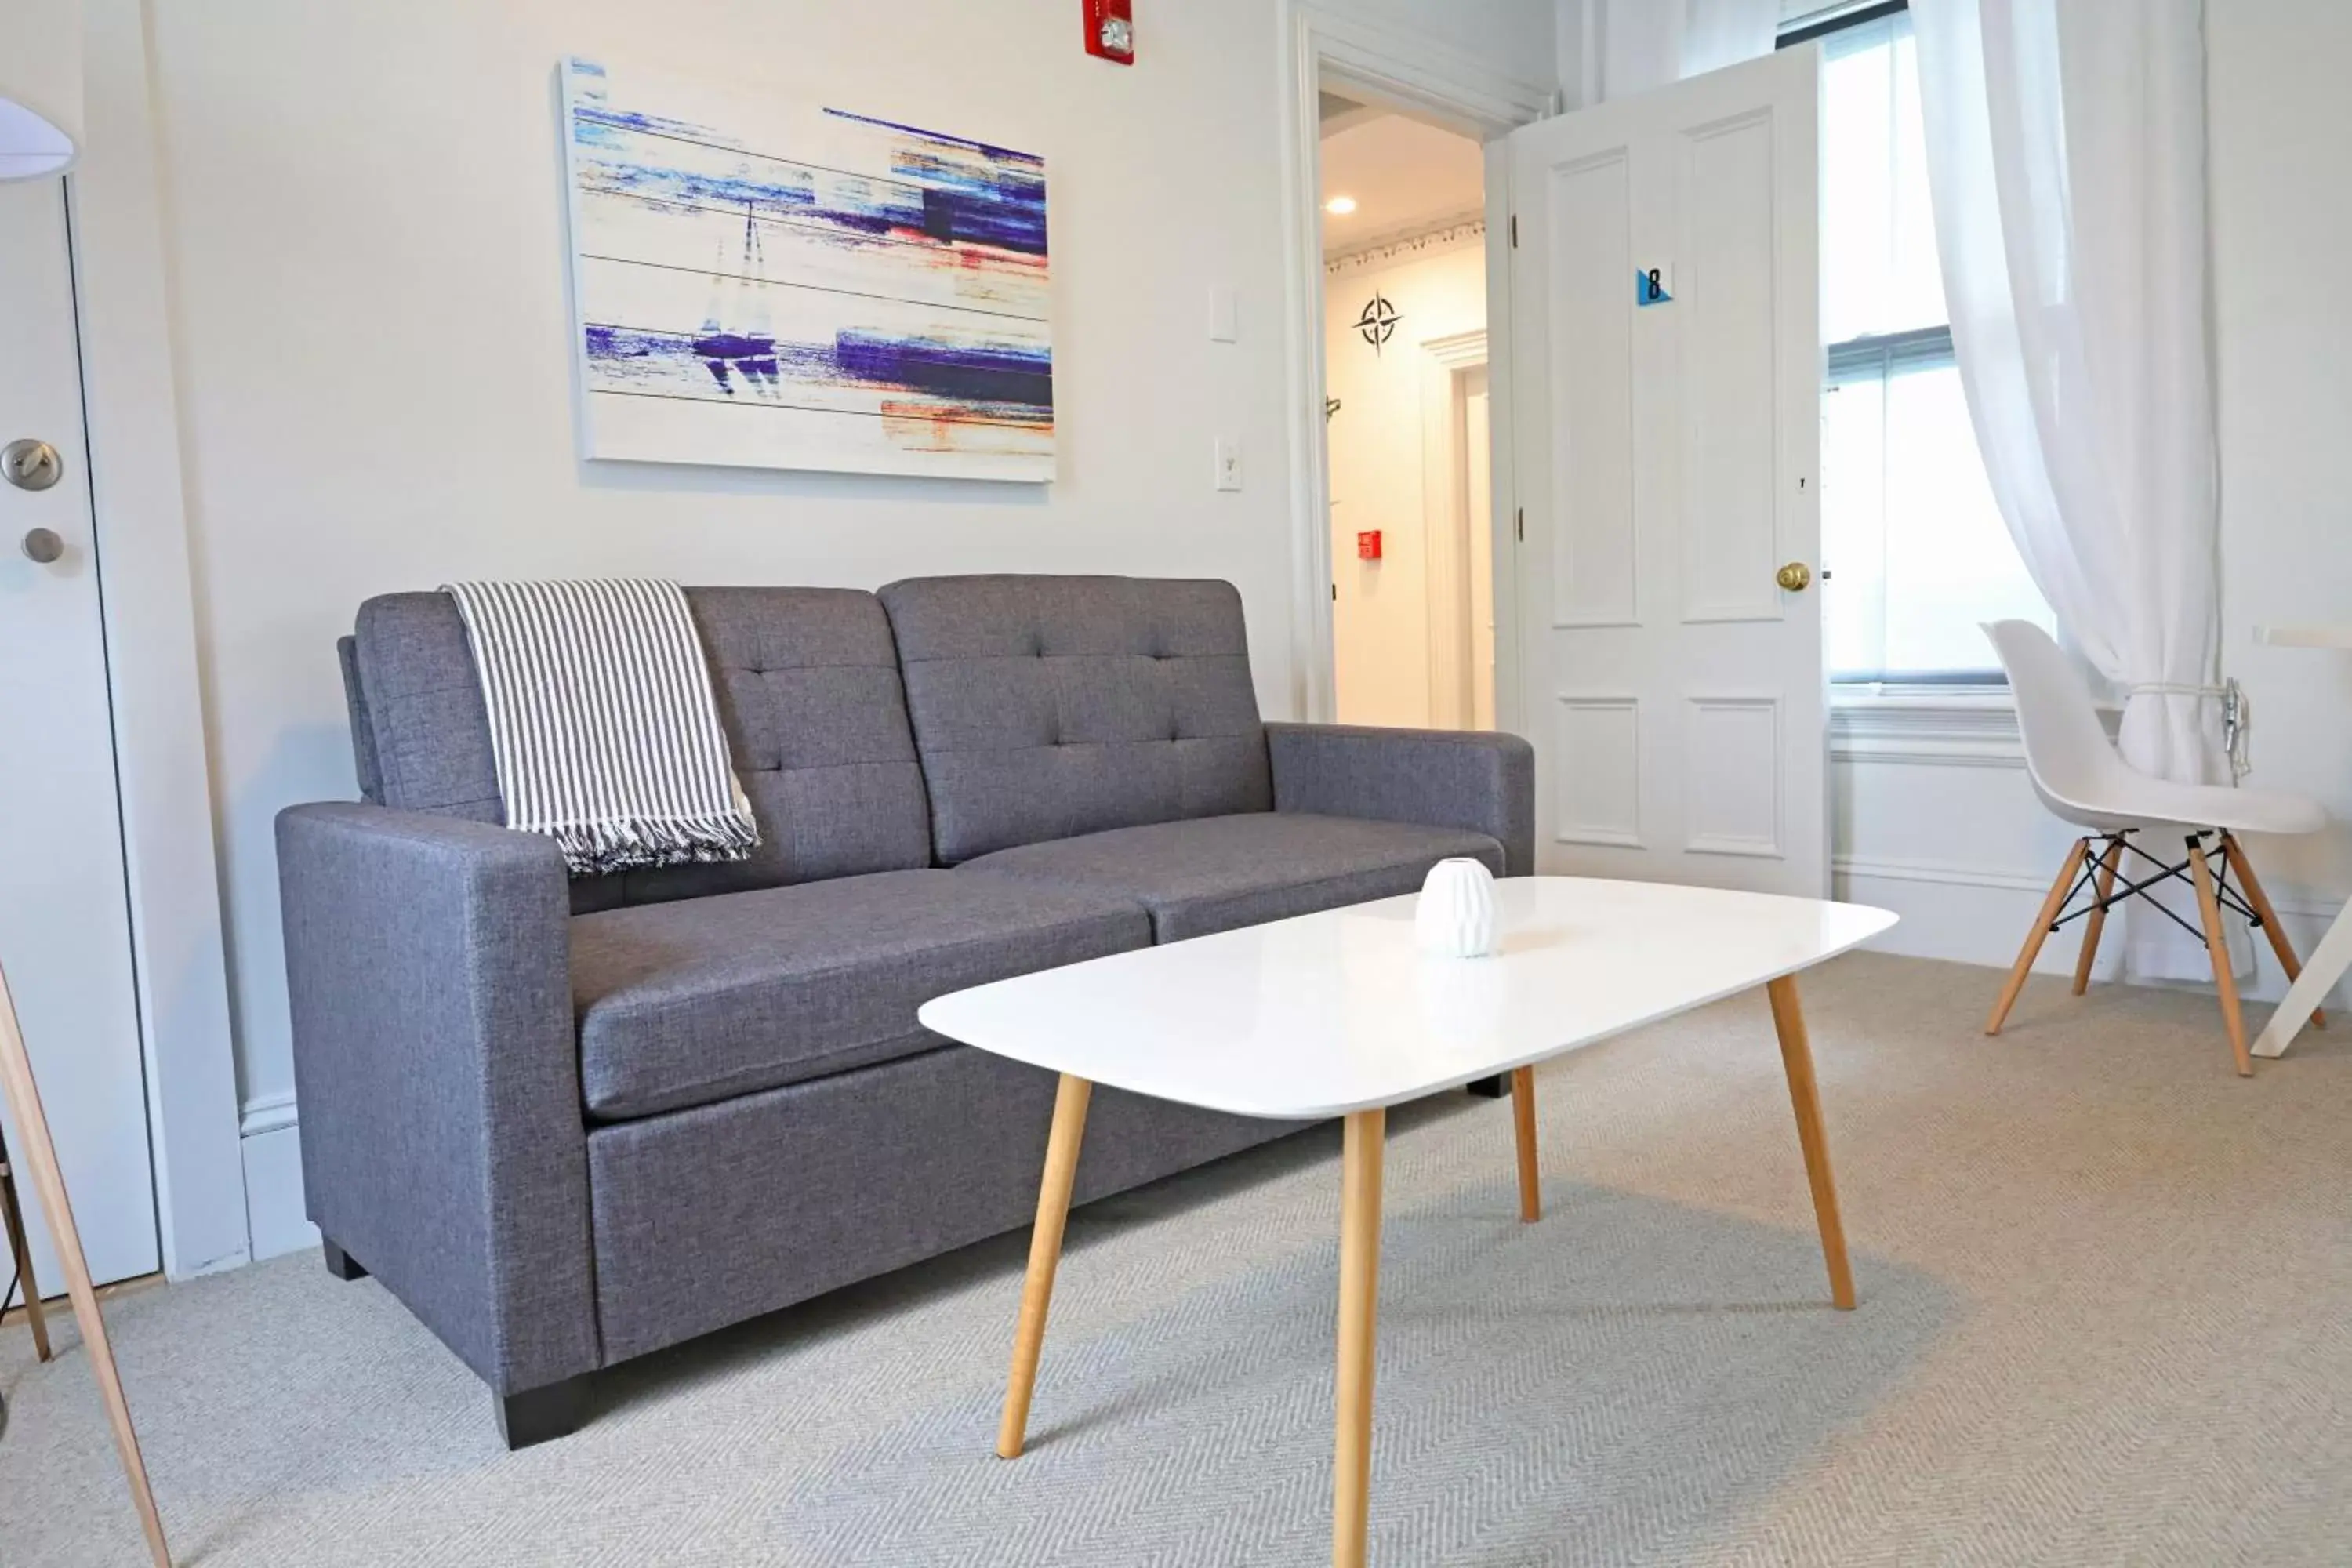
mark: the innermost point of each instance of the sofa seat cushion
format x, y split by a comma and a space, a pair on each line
698, 1000
1215, 873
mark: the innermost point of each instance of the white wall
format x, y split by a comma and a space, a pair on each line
1380, 617
1960, 846
364, 227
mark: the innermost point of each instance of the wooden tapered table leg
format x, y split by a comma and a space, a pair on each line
1359, 1291
2098, 921
20, 1252
1523, 1124
1044, 1257
2225, 979
2039, 933
38, 1157
1797, 1057
2283, 949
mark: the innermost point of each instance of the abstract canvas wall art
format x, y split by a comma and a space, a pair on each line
758, 283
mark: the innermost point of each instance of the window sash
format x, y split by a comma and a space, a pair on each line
1882, 357
1890, 354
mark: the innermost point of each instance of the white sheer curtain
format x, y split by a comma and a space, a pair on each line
2066, 167
1642, 44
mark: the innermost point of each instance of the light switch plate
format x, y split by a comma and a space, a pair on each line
1224, 316
1229, 463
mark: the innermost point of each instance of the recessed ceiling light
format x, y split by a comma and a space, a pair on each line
1339, 207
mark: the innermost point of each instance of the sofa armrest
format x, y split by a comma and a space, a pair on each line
1480, 780
437, 1072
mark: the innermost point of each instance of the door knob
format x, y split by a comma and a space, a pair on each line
43, 545
30, 465
1796, 576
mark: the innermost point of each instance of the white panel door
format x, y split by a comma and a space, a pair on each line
1667, 453
65, 930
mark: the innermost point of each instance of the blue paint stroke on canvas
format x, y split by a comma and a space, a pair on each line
881, 289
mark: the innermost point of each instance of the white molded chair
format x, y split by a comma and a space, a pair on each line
2080, 777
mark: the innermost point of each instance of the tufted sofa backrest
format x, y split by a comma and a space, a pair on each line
1046, 707
808, 690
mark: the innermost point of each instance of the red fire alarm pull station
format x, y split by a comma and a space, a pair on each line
1110, 30
1368, 544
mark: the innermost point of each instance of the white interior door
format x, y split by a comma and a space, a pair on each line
65, 930
1666, 459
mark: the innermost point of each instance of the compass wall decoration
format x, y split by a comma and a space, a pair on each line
1377, 321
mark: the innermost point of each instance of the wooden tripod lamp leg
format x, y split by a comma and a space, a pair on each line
20, 1251
39, 1158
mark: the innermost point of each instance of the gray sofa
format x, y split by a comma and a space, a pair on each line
573, 1120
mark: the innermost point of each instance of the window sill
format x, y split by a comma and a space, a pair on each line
1932, 726
1949, 726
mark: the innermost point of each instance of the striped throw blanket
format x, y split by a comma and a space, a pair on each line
602, 723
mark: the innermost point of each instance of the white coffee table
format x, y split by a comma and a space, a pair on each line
1337, 1014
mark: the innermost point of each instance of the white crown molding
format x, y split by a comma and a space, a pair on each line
1451, 233
1405, 67
1457, 350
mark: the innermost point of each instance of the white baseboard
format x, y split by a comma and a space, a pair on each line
1976, 915
272, 1145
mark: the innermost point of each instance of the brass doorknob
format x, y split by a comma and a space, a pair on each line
1796, 576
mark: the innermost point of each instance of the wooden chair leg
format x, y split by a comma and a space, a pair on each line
2284, 949
1070, 1098
1804, 1093
1523, 1122
2097, 922
39, 1158
2040, 931
1359, 1291
20, 1252
2225, 982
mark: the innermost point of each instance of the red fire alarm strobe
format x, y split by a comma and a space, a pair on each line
1368, 544
1110, 30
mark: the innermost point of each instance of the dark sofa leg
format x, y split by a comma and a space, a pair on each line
544, 1415
341, 1264
1490, 1088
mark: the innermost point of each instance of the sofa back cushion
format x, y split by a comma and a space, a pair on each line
807, 683
1047, 707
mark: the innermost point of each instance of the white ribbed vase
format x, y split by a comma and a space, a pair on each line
1455, 916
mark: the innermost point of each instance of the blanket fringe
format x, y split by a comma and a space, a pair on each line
635, 844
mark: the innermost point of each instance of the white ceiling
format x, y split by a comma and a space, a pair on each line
1407, 178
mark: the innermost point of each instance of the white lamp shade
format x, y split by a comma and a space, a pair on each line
40, 87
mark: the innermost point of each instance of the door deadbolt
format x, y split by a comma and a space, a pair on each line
43, 546
1796, 576
31, 465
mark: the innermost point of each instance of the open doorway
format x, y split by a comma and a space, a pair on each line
1406, 428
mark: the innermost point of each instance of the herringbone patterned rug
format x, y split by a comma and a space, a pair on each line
2103, 1294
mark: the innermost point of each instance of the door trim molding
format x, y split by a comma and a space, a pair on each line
122, 286
1446, 524
1430, 81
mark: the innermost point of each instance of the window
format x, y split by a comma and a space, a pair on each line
1914, 543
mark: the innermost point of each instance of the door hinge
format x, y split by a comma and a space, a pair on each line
1523, 525
1514, 231
1335, 593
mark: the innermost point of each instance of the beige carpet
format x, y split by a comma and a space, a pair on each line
2103, 1294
